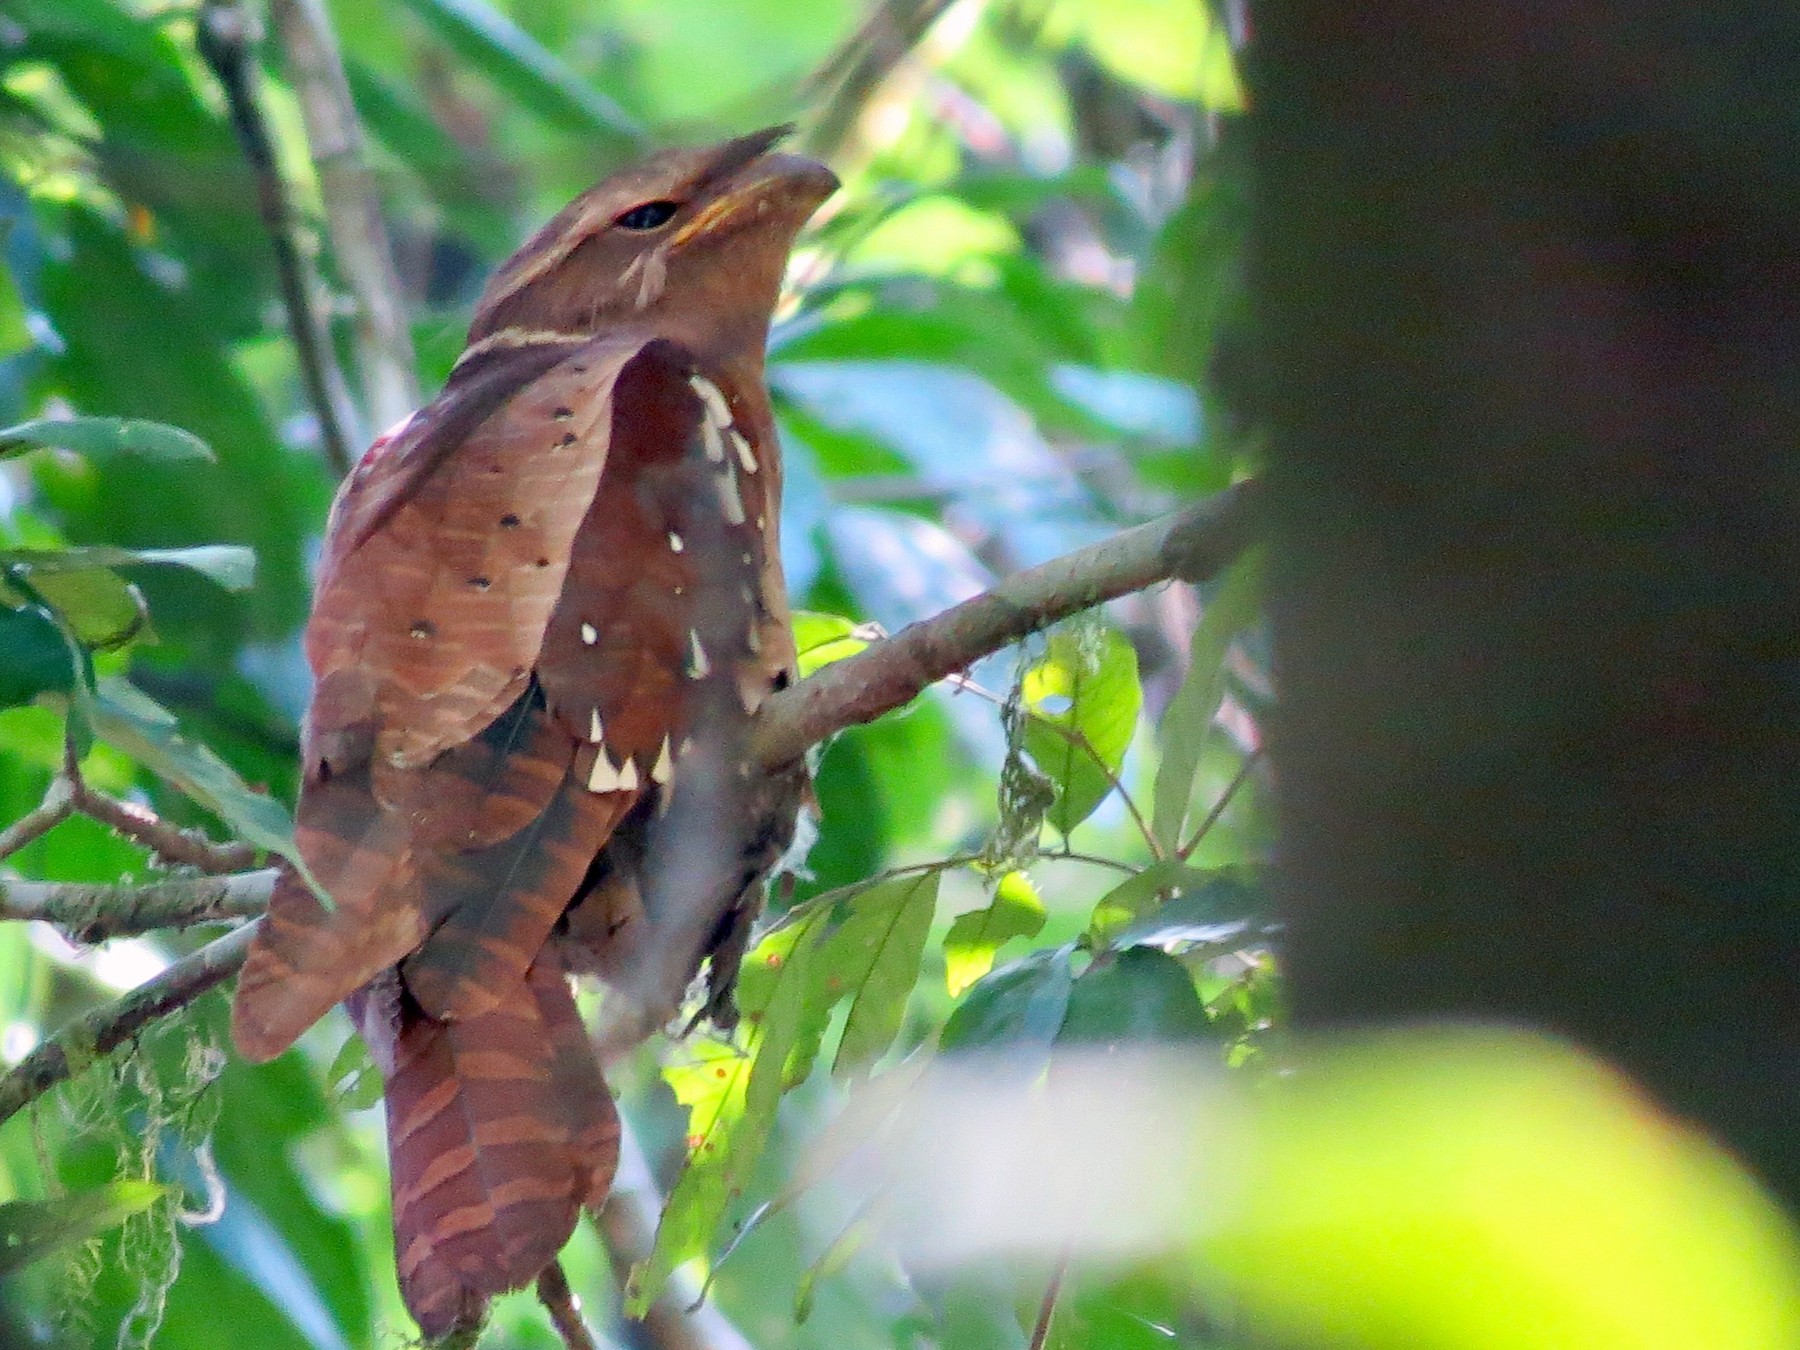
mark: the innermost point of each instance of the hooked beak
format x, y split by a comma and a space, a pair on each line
750, 184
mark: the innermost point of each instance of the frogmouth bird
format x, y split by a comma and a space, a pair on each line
548, 605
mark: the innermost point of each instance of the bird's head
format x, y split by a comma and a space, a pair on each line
688, 244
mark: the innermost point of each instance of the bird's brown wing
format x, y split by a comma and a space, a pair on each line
657, 638
427, 759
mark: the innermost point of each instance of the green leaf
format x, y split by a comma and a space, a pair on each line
1189, 716
1136, 895
1213, 908
32, 1229
101, 608
873, 955
530, 74
1021, 1004
34, 658
831, 1262
1084, 699
131, 720
820, 639
731, 1096
969, 947
1139, 994
353, 1080
231, 565
103, 438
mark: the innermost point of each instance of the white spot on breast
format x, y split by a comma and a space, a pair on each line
588, 634
698, 665
717, 409
746, 456
729, 499
675, 544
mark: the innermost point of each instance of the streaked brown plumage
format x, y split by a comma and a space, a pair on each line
547, 606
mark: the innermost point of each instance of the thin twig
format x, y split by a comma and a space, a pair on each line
564, 1308
359, 240
1040, 1333
860, 66
90, 914
87, 1040
225, 35
58, 805
677, 1320
1238, 780
169, 842
1192, 545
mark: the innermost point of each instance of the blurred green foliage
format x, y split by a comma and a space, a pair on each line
998, 350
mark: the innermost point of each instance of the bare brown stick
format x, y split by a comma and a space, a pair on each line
87, 1040
1191, 545
91, 914
169, 842
678, 1320
1040, 1333
58, 805
225, 36
1238, 780
861, 65
565, 1310
359, 240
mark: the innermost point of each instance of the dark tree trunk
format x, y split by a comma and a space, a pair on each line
1528, 287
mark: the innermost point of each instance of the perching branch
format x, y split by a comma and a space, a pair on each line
90, 914
58, 805
359, 240
169, 842
224, 35
564, 1308
88, 1040
1190, 545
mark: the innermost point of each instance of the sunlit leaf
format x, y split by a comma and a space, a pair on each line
101, 608
1018, 1005
353, 1080
1084, 699
820, 639
1137, 895
873, 957
731, 1096
32, 1229
102, 438
969, 947
1188, 718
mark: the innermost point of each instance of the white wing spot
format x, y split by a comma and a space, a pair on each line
596, 733
715, 444
675, 544
603, 777
729, 498
714, 399
664, 768
699, 665
746, 456
588, 634
628, 779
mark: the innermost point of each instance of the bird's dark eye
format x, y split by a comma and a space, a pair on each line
647, 216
